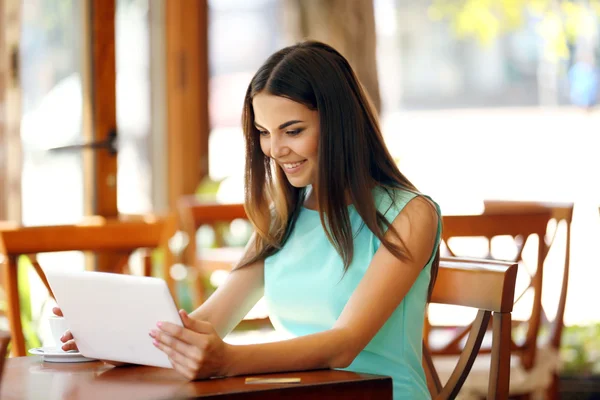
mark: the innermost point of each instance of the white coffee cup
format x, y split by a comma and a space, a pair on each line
58, 327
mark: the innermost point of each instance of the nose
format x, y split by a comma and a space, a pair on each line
279, 147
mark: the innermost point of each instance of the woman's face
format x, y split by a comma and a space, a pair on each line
289, 134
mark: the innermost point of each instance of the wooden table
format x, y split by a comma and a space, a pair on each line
28, 378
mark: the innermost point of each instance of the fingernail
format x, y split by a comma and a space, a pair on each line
159, 324
152, 333
155, 342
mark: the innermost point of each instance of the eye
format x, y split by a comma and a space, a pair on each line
294, 132
263, 133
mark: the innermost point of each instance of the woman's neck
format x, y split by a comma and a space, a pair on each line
311, 200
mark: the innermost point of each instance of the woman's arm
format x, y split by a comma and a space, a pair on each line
197, 352
379, 293
233, 299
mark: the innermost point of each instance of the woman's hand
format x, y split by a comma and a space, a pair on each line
195, 350
69, 341
67, 337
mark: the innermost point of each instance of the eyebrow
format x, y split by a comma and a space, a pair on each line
282, 126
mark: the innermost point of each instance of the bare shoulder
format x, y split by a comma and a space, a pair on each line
419, 213
417, 227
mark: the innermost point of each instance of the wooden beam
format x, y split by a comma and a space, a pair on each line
101, 236
3, 152
103, 100
188, 127
100, 118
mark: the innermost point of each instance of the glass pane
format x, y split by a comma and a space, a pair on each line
51, 61
52, 183
132, 38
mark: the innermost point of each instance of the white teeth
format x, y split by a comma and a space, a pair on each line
294, 165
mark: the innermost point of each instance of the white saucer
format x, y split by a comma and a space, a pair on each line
53, 354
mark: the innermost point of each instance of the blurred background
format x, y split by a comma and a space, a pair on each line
478, 100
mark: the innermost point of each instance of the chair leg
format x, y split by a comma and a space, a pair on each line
552, 391
148, 263
11, 281
38, 269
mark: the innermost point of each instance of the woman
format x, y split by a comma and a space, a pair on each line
345, 249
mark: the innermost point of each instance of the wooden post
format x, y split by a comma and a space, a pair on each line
100, 116
100, 104
500, 360
3, 152
10, 275
186, 29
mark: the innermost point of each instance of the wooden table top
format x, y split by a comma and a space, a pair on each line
28, 378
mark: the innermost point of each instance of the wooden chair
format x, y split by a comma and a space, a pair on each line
192, 215
488, 287
118, 237
4, 341
519, 220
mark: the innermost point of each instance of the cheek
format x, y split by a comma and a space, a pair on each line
313, 148
264, 146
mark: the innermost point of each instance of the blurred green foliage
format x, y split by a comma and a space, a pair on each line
580, 350
30, 327
559, 22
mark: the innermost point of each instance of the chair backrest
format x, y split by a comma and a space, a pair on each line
4, 341
559, 212
519, 220
194, 213
197, 212
489, 287
97, 235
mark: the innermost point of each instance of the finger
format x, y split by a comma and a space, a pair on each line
195, 324
189, 350
70, 345
184, 334
176, 358
57, 311
182, 370
66, 336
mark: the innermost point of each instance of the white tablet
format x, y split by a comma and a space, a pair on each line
110, 315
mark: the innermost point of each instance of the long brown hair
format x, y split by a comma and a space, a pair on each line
352, 155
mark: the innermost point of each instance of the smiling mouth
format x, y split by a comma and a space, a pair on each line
292, 167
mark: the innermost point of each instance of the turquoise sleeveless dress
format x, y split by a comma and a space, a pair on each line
306, 291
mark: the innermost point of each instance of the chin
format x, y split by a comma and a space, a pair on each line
301, 180
298, 183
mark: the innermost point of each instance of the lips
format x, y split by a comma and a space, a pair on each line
292, 167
